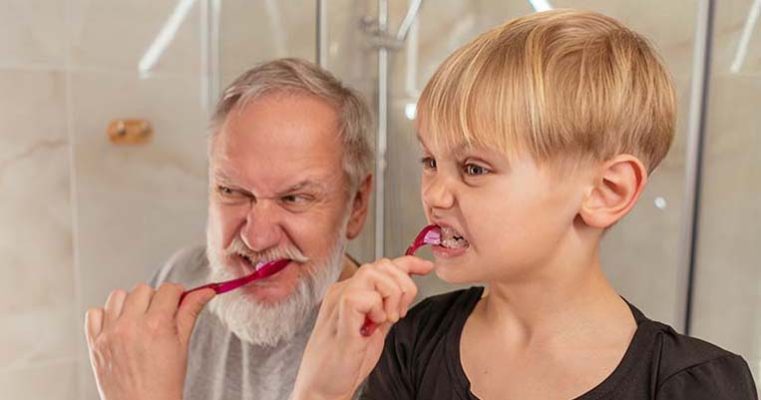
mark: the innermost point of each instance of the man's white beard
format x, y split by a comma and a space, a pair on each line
268, 324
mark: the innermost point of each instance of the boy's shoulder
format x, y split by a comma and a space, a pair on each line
684, 363
681, 353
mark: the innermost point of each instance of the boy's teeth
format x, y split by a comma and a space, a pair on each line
452, 239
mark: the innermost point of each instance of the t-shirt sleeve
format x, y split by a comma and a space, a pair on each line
391, 378
727, 377
188, 267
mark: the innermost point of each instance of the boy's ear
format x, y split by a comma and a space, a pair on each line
615, 191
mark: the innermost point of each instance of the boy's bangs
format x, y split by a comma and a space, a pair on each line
473, 100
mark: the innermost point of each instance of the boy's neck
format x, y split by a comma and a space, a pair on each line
568, 300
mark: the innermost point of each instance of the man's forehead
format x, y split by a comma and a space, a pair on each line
276, 180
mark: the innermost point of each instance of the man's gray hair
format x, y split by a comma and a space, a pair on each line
301, 76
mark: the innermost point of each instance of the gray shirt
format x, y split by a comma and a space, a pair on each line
221, 366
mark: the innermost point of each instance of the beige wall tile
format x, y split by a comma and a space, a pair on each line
33, 33
37, 295
53, 381
728, 272
115, 35
255, 31
136, 204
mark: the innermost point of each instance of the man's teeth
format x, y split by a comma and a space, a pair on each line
256, 265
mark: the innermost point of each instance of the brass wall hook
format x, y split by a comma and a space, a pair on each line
129, 131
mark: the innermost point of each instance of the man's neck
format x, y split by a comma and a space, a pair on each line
349, 268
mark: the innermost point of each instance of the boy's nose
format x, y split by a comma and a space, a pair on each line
437, 192
263, 228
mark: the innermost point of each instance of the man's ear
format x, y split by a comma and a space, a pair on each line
359, 203
615, 191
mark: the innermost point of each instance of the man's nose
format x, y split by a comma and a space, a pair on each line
438, 191
262, 229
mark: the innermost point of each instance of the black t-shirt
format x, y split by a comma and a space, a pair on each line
421, 360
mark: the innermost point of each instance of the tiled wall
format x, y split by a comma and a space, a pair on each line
38, 307
80, 216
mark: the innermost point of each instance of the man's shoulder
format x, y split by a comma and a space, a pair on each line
188, 266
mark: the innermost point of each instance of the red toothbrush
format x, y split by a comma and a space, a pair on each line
261, 271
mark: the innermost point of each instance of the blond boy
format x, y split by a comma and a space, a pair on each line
536, 138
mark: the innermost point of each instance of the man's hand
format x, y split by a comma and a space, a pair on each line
139, 341
338, 358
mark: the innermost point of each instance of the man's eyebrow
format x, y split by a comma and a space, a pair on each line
306, 184
303, 185
220, 175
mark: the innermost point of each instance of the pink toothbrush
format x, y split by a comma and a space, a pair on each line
431, 234
261, 271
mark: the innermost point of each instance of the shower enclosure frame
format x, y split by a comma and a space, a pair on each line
385, 42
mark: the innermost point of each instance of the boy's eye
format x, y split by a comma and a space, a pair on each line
475, 170
428, 162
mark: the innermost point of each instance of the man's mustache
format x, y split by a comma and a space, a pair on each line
238, 247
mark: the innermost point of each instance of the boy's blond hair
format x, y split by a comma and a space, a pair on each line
561, 85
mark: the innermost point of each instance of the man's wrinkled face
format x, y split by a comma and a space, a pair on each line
277, 190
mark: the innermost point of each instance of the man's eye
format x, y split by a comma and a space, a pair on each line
428, 162
225, 191
475, 170
230, 194
296, 199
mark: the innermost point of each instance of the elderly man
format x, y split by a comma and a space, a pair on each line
289, 177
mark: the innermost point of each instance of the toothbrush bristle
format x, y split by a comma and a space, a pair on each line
433, 237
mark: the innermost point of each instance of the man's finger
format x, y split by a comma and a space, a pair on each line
189, 310
137, 301
166, 300
93, 324
114, 305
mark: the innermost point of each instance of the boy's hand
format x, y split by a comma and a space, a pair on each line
139, 341
338, 358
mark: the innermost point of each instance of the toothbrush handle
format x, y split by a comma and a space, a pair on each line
214, 286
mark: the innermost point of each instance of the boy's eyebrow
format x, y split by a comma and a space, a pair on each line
457, 149
419, 138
